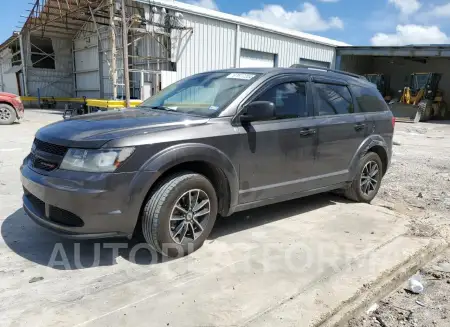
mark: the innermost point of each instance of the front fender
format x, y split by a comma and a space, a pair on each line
170, 157
370, 142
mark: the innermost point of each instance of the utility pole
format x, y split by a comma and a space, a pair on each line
112, 9
126, 74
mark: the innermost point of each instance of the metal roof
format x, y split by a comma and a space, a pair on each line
214, 14
433, 50
61, 18
64, 18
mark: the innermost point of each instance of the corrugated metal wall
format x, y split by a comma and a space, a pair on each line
210, 45
215, 44
8, 77
289, 50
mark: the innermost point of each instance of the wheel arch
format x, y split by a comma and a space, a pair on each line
376, 144
198, 158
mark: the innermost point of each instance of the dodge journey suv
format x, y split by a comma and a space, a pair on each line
212, 144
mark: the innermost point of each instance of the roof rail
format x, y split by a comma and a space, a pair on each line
328, 70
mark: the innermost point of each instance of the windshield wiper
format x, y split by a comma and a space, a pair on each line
159, 108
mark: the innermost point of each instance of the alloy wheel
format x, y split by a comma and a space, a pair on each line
189, 216
5, 114
369, 178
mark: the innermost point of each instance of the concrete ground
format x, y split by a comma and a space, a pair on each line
308, 262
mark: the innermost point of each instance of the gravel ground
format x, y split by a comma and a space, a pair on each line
418, 185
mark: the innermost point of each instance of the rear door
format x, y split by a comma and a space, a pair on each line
341, 130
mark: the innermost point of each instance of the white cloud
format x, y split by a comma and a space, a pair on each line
411, 34
306, 19
406, 7
440, 11
208, 4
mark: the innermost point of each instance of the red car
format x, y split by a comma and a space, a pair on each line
11, 108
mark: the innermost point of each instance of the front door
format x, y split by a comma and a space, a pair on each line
341, 131
278, 155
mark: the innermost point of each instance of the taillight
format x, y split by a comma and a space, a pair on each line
393, 122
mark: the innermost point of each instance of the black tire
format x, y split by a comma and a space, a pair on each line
424, 111
157, 227
7, 114
355, 191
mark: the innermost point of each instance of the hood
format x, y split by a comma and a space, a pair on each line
8, 95
94, 130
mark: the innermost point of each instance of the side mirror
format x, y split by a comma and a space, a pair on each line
258, 110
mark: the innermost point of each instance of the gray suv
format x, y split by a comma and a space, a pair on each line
212, 144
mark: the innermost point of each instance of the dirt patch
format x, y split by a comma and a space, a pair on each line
403, 308
417, 185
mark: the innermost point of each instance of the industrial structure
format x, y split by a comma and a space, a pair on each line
74, 48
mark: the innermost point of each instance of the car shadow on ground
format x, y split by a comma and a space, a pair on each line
40, 246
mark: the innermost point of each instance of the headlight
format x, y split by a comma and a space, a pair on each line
18, 99
103, 160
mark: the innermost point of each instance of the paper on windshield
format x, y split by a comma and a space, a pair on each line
242, 76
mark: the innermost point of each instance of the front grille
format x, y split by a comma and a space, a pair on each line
43, 164
46, 156
50, 148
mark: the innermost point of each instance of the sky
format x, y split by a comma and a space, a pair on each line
357, 22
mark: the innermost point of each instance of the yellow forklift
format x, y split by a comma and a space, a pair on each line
421, 99
383, 84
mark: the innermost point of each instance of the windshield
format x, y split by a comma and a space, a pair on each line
419, 81
203, 94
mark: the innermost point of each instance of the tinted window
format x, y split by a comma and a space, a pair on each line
333, 99
369, 99
289, 100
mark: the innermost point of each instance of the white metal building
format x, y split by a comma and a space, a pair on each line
75, 55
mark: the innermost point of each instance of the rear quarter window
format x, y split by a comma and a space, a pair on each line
369, 99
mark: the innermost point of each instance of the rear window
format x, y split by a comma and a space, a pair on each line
369, 99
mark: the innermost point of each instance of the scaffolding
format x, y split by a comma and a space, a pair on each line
134, 41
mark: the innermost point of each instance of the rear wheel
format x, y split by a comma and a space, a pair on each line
180, 215
7, 114
367, 181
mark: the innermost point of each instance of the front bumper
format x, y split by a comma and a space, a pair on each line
20, 110
82, 205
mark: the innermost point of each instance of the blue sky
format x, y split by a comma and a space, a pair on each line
358, 22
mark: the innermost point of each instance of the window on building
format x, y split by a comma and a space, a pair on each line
333, 100
42, 53
369, 99
289, 100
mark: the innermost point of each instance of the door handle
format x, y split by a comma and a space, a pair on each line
360, 126
307, 132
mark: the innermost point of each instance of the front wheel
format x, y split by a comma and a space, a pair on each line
367, 181
7, 114
180, 214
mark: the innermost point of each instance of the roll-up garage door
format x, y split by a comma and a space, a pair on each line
256, 59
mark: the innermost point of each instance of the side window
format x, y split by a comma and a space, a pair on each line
369, 99
333, 99
289, 99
